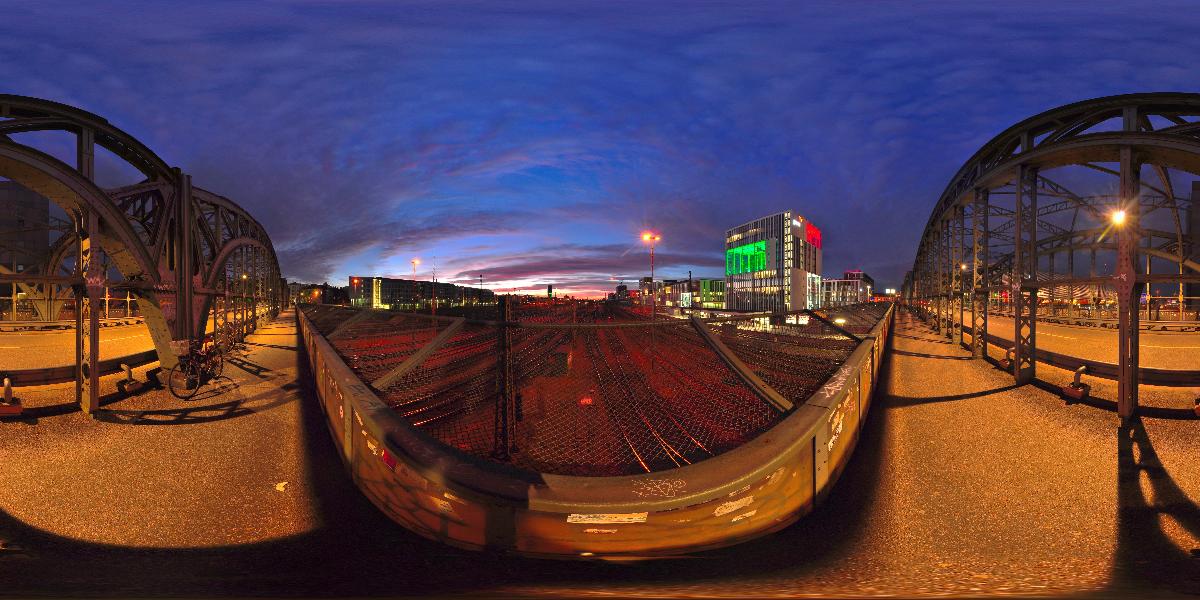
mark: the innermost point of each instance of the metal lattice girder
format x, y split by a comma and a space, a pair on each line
174, 244
979, 290
1024, 277
1128, 290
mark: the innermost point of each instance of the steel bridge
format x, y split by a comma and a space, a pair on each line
994, 242
187, 256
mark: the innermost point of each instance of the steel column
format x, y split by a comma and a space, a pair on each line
1024, 277
88, 297
1128, 289
979, 304
957, 273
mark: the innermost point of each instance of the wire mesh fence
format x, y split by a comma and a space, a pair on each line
594, 389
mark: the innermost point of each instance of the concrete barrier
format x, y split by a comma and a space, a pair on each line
469, 502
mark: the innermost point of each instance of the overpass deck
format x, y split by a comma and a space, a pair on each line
962, 485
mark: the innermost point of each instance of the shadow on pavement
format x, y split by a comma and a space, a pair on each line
1146, 555
901, 401
937, 356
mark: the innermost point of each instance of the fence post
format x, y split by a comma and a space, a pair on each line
502, 444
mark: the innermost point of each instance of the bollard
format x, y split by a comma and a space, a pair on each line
127, 385
1197, 409
1006, 362
1077, 390
10, 407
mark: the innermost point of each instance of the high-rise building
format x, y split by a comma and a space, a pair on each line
855, 287
773, 264
24, 227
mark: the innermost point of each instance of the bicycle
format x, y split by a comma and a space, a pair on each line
199, 366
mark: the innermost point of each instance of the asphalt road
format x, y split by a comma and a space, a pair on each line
961, 485
55, 348
1158, 349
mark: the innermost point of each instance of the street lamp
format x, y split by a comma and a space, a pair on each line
652, 238
416, 294
1118, 217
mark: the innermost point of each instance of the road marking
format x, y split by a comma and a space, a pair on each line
1172, 347
128, 337
1058, 336
10, 347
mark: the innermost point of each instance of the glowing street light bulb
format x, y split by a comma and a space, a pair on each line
1118, 217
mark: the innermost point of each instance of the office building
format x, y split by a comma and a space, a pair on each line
855, 287
24, 228
773, 264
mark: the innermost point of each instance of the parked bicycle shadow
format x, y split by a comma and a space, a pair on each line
1153, 522
190, 415
252, 368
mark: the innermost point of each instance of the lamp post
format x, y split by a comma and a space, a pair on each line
416, 288
652, 238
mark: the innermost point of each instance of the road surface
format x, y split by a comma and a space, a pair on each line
55, 348
1159, 349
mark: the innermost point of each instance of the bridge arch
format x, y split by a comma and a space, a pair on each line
976, 245
168, 240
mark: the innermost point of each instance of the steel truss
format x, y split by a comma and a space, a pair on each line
186, 255
1017, 252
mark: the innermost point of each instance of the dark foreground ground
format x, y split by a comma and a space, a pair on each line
961, 485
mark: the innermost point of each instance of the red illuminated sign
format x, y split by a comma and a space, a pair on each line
814, 234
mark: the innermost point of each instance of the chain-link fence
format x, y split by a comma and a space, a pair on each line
587, 388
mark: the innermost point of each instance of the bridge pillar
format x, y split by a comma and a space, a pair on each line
88, 297
1024, 277
938, 287
979, 268
1128, 289
958, 274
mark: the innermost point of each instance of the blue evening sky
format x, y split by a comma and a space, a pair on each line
533, 141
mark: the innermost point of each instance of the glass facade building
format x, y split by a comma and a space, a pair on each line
773, 264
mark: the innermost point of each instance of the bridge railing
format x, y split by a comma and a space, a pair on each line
470, 501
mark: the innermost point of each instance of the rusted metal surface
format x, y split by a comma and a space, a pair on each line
469, 502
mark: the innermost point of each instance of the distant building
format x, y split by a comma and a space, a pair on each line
409, 294
711, 293
24, 228
773, 264
855, 287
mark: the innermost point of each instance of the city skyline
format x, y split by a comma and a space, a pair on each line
532, 145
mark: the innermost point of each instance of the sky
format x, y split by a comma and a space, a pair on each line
532, 142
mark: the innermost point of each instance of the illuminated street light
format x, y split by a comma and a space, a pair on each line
652, 238
840, 321
1118, 217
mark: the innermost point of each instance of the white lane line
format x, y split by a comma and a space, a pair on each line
128, 337
1172, 347
1057, 336
10, 347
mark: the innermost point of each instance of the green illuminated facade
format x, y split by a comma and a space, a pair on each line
746, 258
773, 264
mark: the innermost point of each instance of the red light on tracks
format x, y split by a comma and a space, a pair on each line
585, 401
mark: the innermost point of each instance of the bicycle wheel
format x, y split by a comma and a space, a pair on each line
218, 365
183, 380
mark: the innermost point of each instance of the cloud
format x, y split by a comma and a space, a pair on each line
360, 133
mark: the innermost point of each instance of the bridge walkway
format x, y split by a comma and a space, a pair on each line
961, 484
